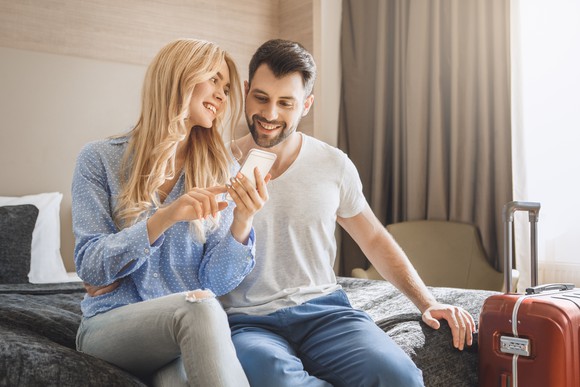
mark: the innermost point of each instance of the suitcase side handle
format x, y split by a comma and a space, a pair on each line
547, 287
533, 209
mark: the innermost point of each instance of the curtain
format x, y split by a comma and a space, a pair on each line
425, 112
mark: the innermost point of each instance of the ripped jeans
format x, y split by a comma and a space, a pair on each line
143, 337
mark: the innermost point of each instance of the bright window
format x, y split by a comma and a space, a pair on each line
546, 127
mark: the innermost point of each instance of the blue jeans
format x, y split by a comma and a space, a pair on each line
322, 342
146, 336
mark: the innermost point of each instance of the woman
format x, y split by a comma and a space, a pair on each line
152, 239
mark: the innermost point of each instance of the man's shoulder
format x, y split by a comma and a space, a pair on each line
319, 147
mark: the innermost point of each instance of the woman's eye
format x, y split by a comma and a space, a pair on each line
227, 92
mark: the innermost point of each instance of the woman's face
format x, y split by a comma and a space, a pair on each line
209, 98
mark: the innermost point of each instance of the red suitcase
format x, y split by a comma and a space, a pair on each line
533, 339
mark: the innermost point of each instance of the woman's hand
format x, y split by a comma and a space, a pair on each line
249, 200
198, 203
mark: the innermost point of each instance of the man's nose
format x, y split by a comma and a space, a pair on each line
269, 112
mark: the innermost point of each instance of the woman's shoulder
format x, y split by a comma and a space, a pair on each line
104, 147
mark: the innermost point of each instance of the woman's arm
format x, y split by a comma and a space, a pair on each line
249, 200
229, 255
103, 253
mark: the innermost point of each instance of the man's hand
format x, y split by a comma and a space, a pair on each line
460, 321
94, 291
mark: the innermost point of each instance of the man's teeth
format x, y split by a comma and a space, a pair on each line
210, 107
268, 126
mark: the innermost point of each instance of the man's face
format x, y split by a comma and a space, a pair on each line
275, 106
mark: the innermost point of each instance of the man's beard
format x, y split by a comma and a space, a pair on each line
264, 141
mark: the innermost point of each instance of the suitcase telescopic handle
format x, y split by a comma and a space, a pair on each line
533, 209
547, 287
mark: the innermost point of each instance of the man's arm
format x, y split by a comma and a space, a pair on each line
392, 263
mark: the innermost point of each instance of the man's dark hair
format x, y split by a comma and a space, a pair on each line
284, 57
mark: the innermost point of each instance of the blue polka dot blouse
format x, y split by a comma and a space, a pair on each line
176, 262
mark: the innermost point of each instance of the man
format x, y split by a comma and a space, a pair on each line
291, 323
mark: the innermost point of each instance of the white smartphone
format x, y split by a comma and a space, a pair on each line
257, 158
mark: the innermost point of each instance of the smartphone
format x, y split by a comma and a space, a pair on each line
257, 158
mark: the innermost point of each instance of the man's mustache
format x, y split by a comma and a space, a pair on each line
256, 117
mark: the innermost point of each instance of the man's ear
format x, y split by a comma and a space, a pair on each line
308, 104
246, 89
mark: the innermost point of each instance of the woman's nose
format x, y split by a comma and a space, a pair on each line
220, 95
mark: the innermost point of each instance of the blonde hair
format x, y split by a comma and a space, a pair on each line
149, 159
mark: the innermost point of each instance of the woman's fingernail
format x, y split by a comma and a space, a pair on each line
240, 176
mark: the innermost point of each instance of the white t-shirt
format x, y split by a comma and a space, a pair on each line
295, 241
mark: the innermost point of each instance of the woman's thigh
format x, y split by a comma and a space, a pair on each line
143, 337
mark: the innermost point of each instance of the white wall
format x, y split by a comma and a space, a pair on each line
51, 106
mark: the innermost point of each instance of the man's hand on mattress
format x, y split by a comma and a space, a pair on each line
95, 291
460, 321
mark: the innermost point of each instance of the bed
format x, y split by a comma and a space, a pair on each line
38, 324
40, 311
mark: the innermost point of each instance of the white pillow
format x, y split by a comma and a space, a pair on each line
46, 265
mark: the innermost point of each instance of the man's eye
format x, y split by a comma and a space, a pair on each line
261, 99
